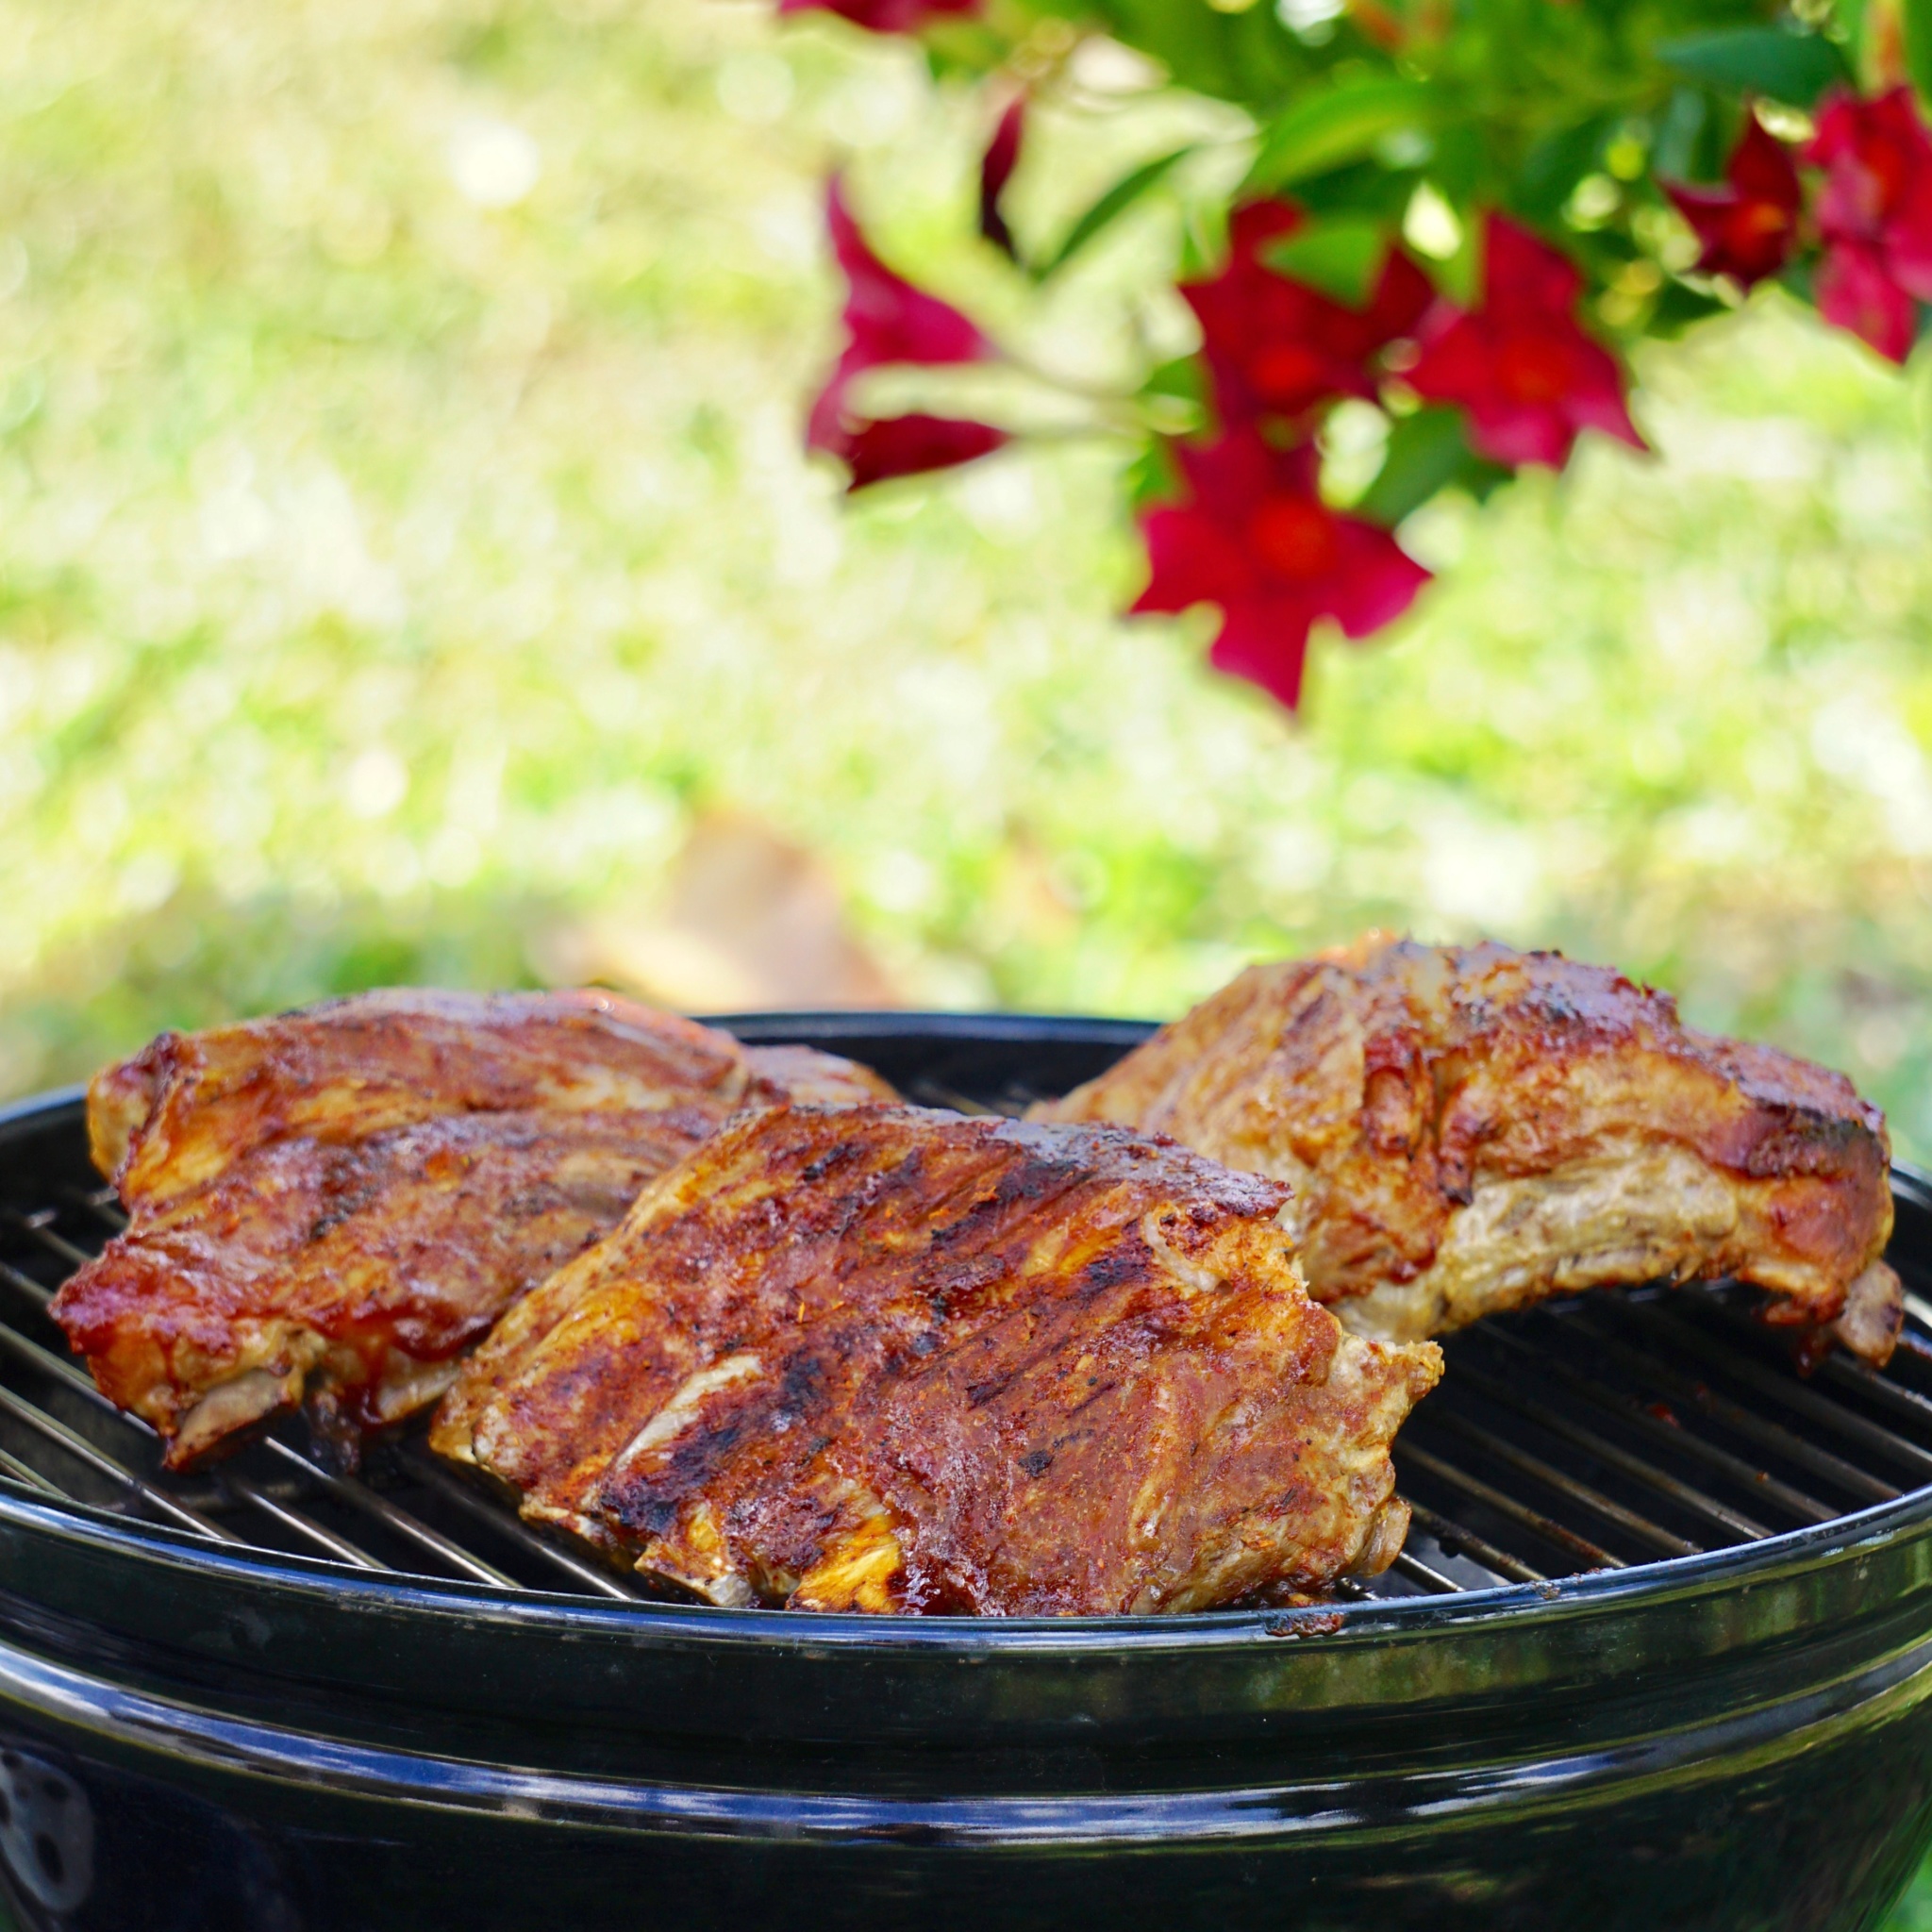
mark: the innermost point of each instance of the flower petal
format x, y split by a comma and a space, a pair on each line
890, 320
911, 446
1854, 292
996, 170
1596, 401
1522, 272
1193, 559
1377, 579
1267, 644
883, 16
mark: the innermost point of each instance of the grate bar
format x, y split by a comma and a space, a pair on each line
1680, 1492
340, 1547
1792, 1393
1457, 1542
25, 1472
358, 1496
346, 1487
1907, 1403
27, 1286
1773, 1435
102, 1203
1671, 1435
453, 1490
1504, 1504
1849, 1371
68, 1376
1418, 1572
34, 1226
98, 1460
1642, 1527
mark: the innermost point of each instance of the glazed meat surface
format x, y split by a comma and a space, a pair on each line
888, 1359
1468, 1129
345, 1199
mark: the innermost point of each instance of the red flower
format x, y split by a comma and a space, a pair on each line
1875, 212
1255, 539
889, 321
1526, 374
1855, 292
883, 16
1275, 345
995, 171
1747, 227
908, 445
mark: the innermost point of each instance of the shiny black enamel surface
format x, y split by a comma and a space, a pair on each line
212, 1738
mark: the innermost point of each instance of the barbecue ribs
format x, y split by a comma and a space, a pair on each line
1469, 1129
888, 1359
347, 1197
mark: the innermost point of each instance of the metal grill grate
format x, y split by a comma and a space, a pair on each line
1596, 1433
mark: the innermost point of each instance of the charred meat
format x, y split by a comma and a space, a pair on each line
345, 1199
1468, 1129
888, 1359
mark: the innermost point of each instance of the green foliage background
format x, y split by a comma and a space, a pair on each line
387, 574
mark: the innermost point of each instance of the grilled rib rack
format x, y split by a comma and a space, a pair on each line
1592, 1434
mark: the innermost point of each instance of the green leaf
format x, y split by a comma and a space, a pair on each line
1426, 452
1364, 191
1113, 204
1795, 68
1675, 153
1556, 163
1322, 130
1153, 476
1849, 16
1339, 257
1248, 56
1677, 307
1175, 396
1918, 22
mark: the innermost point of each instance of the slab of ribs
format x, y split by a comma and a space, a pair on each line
1467, 1130
342, 1200
738, 1320
891, 1359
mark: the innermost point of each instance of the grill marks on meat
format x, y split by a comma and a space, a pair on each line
1467, 1130
349, 1197
894, 1359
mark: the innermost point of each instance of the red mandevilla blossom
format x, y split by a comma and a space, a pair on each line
1749, 227
889, 321
995, 171
1273, 344
883, 16
1255, 538
1875, 213
1525, 372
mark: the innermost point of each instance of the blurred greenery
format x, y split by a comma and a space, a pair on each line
1914, 1913
405, 539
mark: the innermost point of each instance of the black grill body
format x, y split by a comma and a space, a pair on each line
1658, 1657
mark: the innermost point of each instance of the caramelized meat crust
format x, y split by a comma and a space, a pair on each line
1470, 1128
350, 1195
891, 1359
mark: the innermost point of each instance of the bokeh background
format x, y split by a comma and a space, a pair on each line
409, 570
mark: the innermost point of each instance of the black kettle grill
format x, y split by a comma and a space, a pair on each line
1657, 1655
